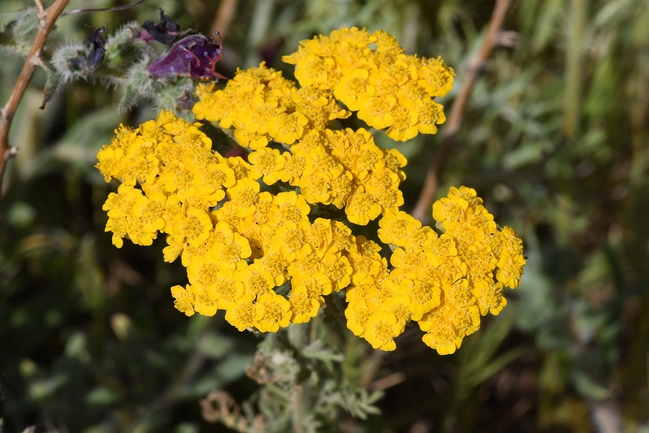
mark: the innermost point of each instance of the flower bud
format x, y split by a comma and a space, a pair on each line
164, 32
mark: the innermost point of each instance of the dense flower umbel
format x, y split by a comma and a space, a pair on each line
265, 258
342, 168
261, 106
236, 255
445, 283
370, 74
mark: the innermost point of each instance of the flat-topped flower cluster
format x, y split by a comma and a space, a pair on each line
370, 75
267, 258
445, 283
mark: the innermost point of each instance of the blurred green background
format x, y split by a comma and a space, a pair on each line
555, 138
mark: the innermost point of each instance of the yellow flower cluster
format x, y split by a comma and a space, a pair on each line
345, 168
179, 175
236, 251
445, 283
367, 72
370, 74
263, 257
261, 105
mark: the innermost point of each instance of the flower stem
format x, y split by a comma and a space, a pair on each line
298, 335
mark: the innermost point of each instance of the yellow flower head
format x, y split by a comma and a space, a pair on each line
267, 163
272, 311
357, 313
290, 206
205, 300
290, 239
256, 280
318, 106
227, 289
304, 304
381, 329
361, 207
511, 262
244, 196
241, 314
232, 249
184, 299
275, 264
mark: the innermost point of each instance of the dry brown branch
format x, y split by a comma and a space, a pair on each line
48, 17
41, 9
113, 9
437, 163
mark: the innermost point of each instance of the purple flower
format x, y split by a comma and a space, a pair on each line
194, 56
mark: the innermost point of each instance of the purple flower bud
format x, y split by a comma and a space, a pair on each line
194, 56
97, 50
164, 32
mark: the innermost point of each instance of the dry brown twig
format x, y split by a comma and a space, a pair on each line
437, 163
48, 18
115, 8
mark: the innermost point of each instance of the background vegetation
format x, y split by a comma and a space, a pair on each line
554, 136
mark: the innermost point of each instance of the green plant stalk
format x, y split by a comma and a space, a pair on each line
298, 336
297, 403
572, 101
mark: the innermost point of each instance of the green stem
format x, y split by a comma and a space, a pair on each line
297, 404
314, 329
574, 66
298, 336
